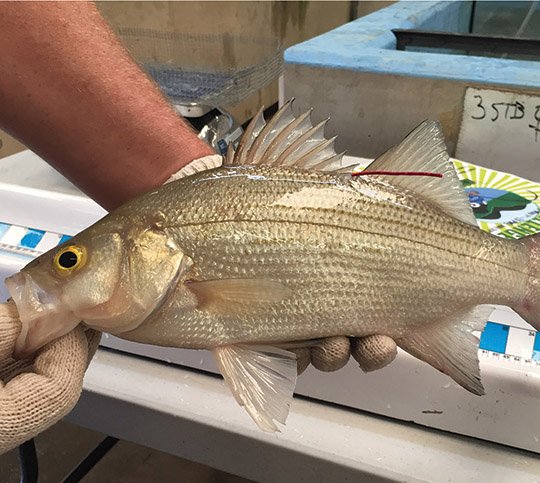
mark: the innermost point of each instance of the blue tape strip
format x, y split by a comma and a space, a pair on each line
494, 337
536, 348
65, 238
29, 240
4, 227
32, 238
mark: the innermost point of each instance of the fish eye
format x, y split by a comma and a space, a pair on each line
69, 259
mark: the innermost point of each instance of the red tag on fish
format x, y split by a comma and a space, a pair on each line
398, 173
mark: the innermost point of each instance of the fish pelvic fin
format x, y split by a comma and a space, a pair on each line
451, 347
424, 150
262, 380
289, 141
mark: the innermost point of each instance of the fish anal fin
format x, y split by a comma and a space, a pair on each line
424, 150
262, 380
450, 346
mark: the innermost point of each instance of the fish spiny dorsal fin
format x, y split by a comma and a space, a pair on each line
287, 136
424, 150
304, 144
198, 165
335, 164
230, 154
319, 154
273, 128
288, 141
254, 128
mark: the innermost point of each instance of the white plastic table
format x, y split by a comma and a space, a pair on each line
192, 415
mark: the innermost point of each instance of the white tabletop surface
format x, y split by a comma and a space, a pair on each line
193, 415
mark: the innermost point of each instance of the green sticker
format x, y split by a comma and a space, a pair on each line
503, 204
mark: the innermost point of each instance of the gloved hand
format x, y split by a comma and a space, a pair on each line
371, 352
37, 392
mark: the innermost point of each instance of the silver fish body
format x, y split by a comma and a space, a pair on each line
360, 257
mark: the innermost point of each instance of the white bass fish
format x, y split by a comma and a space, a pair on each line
280, 247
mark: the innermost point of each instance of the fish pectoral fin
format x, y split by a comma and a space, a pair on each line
261, 378
450, 346
424, 150
238, 290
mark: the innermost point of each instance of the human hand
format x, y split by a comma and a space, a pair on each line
37, 392
371, 352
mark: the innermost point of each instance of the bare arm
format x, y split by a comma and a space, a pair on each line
71, 93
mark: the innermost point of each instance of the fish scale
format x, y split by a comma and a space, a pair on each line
355, 211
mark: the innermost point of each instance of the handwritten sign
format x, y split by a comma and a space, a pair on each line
501, 130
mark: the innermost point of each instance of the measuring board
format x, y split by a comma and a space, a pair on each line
511, 343
31, 241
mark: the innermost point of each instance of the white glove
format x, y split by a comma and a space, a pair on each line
37, 392
197, 165
371, 352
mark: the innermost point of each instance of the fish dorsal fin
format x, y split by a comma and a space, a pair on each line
196, 166
424, 150
287, 140
250, 135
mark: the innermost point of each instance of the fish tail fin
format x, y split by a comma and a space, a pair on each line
529, 308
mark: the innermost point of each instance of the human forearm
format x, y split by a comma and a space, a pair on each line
71, 93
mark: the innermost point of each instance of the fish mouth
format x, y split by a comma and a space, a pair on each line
42, 320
